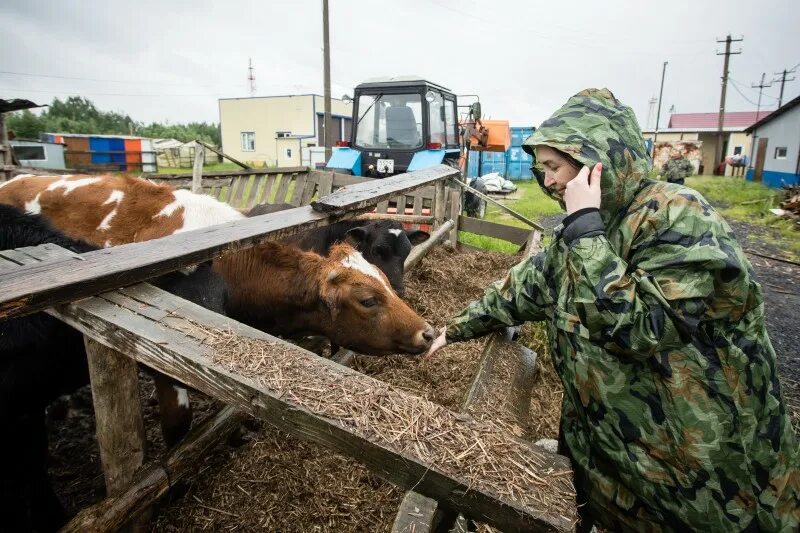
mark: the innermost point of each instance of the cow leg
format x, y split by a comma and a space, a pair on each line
176, 412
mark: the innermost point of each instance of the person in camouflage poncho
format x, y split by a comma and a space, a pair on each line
672, 413
677, 169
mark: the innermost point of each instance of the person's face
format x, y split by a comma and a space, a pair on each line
556, 169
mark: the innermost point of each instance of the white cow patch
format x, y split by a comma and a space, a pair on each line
396, 232
356, 261
183, 396
20, 176
106, 222
71, 185
199, 211
107, 244
115, 197
34, 207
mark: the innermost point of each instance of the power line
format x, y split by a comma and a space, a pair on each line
736, 87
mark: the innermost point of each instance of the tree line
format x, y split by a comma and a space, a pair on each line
79, 115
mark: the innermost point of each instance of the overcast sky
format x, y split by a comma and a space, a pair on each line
172, 60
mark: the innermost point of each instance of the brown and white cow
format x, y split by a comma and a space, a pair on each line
271, 286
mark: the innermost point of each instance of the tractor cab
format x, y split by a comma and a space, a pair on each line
400, 124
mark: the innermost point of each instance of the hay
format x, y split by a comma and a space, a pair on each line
302, 487
478, 453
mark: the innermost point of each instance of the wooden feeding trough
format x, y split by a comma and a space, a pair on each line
453, 462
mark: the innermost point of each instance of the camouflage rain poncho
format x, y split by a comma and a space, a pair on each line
672, 410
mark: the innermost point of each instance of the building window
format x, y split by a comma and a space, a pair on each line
780, 152
289, 153
248, 139
283, 134
30, 153
737, 150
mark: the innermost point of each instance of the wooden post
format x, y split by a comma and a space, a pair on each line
6, 160
120, 429
197, 171
455, 213
439, 203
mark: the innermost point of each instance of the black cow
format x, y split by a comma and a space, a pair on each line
41, 358
384, 243
473, 205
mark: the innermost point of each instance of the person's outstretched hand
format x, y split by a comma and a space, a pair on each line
584, 190
438, 343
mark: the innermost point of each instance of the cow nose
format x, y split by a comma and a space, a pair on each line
429, 334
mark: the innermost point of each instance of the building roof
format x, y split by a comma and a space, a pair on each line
102, 136
692, 130
737, 120
17, 104
775, 114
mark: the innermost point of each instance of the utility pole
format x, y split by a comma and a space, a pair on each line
658, 113
783, 79
251, 77
760, 88
326, 47
727, 54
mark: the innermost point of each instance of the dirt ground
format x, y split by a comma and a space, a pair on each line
271, 481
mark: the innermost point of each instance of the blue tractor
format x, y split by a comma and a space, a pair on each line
400, 124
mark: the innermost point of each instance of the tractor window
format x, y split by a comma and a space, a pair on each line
450, 122
392, 121
436, 118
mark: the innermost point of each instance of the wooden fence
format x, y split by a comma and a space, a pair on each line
124, 321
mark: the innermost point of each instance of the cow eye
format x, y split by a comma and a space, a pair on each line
369, 302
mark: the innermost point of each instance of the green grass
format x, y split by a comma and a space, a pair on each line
745, 201
533, 204
208, 168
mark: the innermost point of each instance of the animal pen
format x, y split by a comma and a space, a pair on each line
449, 462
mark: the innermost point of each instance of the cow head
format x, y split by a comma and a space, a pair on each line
366, 315
385, 244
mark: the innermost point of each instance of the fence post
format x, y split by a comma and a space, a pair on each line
197, 170
439, 203
118, 414
455, 212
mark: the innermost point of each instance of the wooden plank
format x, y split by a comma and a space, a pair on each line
299, 189
455, 215
304, 414
155, 481
226, 156
408, 219
309, 191
32, 288
382, 207
505, 208
266, 198
119, 425
280, 196
440, 203
362, 195
227, 173
419, 251
255, 191
185, 183
237, 189
418, 514
511, 234
325, 183
418, 208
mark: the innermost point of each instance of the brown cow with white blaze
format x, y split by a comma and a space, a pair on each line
270, 286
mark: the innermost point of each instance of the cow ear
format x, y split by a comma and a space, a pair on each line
330, 293
356, 236
418, 237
